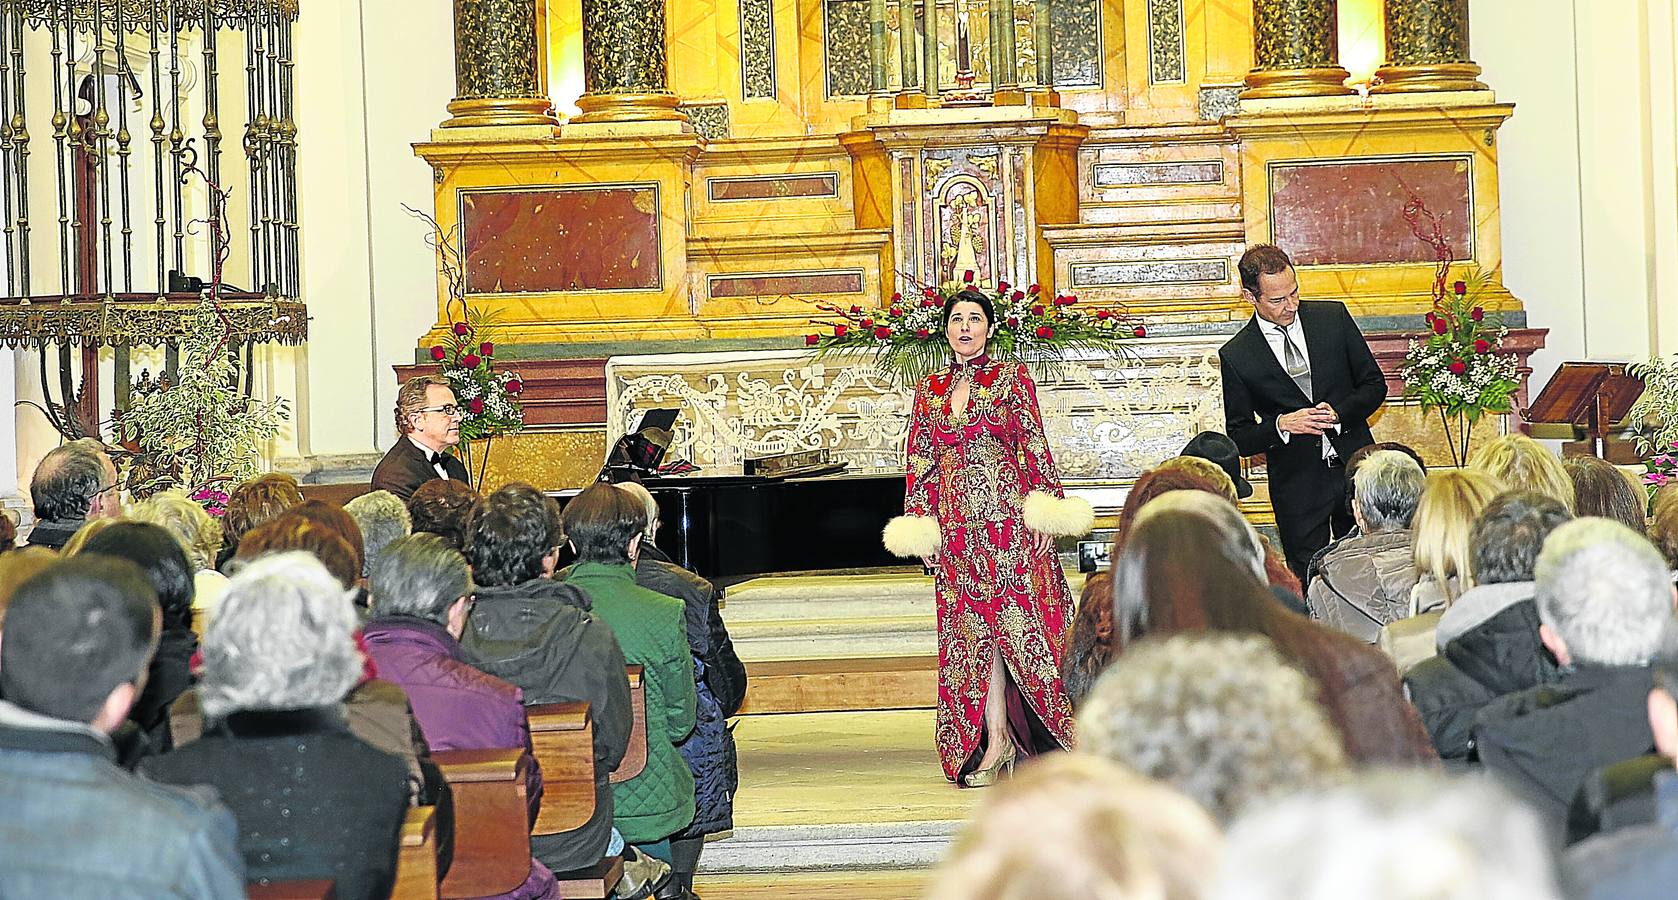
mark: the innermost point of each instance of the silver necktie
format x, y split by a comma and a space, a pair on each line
1294, 362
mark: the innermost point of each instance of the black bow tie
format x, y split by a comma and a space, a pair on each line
435, 459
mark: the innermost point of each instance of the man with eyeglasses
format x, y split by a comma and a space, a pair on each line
429, 422
71, 485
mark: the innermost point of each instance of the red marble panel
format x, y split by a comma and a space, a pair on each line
1352, 213
561, 239
793, 284
780, 187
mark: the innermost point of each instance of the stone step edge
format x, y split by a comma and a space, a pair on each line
840, 846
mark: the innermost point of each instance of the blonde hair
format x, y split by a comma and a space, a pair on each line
1663, 524
85, 533
1444, 521
199, 534
1073, 825
1518, 460
1206, 469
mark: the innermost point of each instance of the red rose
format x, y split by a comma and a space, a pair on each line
461, 329
1002, 288
1034, 289
476, 405
438, 353
1071, 299
515, 386
856, 309
1440, 326
839, 330
1460, 288
930, 294
1482, 346
1103, 313
1140, 331
1477, 314
470, 360
1013, 322
1037, 310
1428, 319
930, 301
866, 322
882, 332
1458, 367
810, 340
897, 296
967, 276
1018, 296
486, 348
897, 311
1044, 331
922, 333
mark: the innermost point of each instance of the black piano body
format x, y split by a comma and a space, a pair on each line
730, 528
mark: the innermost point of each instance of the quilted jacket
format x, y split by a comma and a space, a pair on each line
1364, 583
651, 630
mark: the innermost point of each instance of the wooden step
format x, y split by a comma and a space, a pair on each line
841, 684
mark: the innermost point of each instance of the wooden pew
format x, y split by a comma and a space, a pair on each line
492, 817
562, 735
291, 890
635, 757
416, 861
593, 883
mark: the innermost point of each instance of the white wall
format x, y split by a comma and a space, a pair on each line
1590, 228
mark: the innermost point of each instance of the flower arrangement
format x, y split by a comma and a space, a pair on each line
488, 399
906, 337
1661, 469
1657, 412
1455, 367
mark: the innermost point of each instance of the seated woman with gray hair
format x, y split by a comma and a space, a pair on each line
1365, 581
312, 800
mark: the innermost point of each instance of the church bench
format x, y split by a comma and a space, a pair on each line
492, 821
336, 493
320, 889
592, 882
635, 757
416, 860
562, 734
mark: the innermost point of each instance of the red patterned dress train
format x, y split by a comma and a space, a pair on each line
979, 482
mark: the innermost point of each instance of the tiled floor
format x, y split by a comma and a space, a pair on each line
843, 768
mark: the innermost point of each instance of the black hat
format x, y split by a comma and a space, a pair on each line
1218, 448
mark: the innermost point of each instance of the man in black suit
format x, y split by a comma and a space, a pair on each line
1299, 386
429, 422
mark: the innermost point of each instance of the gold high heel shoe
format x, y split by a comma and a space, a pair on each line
992, 773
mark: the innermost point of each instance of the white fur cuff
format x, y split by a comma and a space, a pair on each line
1048, 514
911, 536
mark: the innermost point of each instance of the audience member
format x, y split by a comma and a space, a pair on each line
1640, 861
441, 507
1663, 524
313, 801
1519, 461
333, 517
421, 591
1390, 836
604, 526
19, 566
1364, 582
1451, 502
1352, 464
1192, 563
1073, 825
296, 532
170, 575
381, 519
8, 531
1605, 604
1600, 488
540, 635
1488, 640
254, 503
79, 635
72, 484
200, 538
1220, 717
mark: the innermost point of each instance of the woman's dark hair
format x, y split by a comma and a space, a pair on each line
1173, 577
441, 506
1600, 489
257, 501
160, 557
509, 533
970, 296
333, 518
600, 522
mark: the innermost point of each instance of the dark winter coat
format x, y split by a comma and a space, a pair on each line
312, 800
167, 678
541, 636
1617, 796
1638, 863
707, 635
1542, 742
1498, 655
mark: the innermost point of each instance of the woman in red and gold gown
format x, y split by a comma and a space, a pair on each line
983, 505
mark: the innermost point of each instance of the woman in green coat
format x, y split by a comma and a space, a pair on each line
604, 526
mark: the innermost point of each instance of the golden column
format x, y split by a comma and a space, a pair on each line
624, 64
1427, 48
497, 66
1296, 50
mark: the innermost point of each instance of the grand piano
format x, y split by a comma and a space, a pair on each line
730, 528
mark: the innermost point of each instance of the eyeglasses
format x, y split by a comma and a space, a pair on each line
449, 410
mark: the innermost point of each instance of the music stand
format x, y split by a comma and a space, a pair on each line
1594, 395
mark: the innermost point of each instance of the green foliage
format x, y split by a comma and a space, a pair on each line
1658, 405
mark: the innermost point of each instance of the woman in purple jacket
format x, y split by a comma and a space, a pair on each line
421, 590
